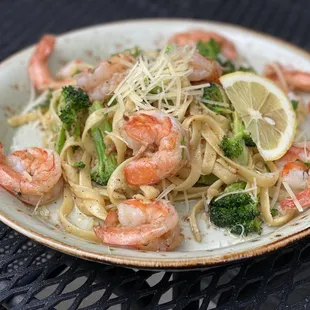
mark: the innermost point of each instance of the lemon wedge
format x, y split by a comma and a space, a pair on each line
266, 111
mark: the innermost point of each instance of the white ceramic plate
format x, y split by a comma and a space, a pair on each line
98, 42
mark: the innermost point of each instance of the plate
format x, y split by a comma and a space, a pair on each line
92, 44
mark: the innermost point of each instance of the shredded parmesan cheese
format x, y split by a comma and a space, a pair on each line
160, 82
27, 176
222, 104
280, 75
292, 195
276, 193
236, 192
35, 102
37, 205
165, 192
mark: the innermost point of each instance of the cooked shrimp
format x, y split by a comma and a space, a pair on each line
299, 151
148, 226
288, 79
192, 37
32, 175
100, 83
204, 69
38, 70
156, 139
296, 174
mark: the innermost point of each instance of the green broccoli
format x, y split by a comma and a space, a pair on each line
295, 104
239, 186
72, 102
248, 141
106, 162
237, 212
235, 146
78, 164
208, 49
206, 180
169, 48
274, 212
230, 67
215, 93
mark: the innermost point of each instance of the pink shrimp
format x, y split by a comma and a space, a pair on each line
100, 83
156, 139
148, 226
32, 175
192, 37
293, 79
204, 69
296, 174
38, 70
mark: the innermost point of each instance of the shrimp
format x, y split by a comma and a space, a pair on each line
192, 37
296, 174
32, 175
100, 83
158, 142
149, 226
204, 69
38, 70
288, 79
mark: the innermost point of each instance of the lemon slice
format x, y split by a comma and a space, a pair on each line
266, 111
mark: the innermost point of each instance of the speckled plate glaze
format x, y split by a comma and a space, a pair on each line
92, 44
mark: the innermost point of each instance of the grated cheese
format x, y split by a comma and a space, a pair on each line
168, 72
280, 75
33, 102
165, 192
27, 176
222, 104
292, 195
276, 193
37, 205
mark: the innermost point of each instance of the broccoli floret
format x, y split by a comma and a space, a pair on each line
230, 67
254, 226
106, 162
78, 164
208, 49
235, 146
72, 101
274, 212
235, 187
236, 212
232, 147
214, 93
248, 141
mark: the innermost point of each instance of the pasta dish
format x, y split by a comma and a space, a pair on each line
125, 140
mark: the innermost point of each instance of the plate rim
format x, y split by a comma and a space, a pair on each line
160, 263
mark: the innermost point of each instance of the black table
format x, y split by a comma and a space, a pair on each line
35, 277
